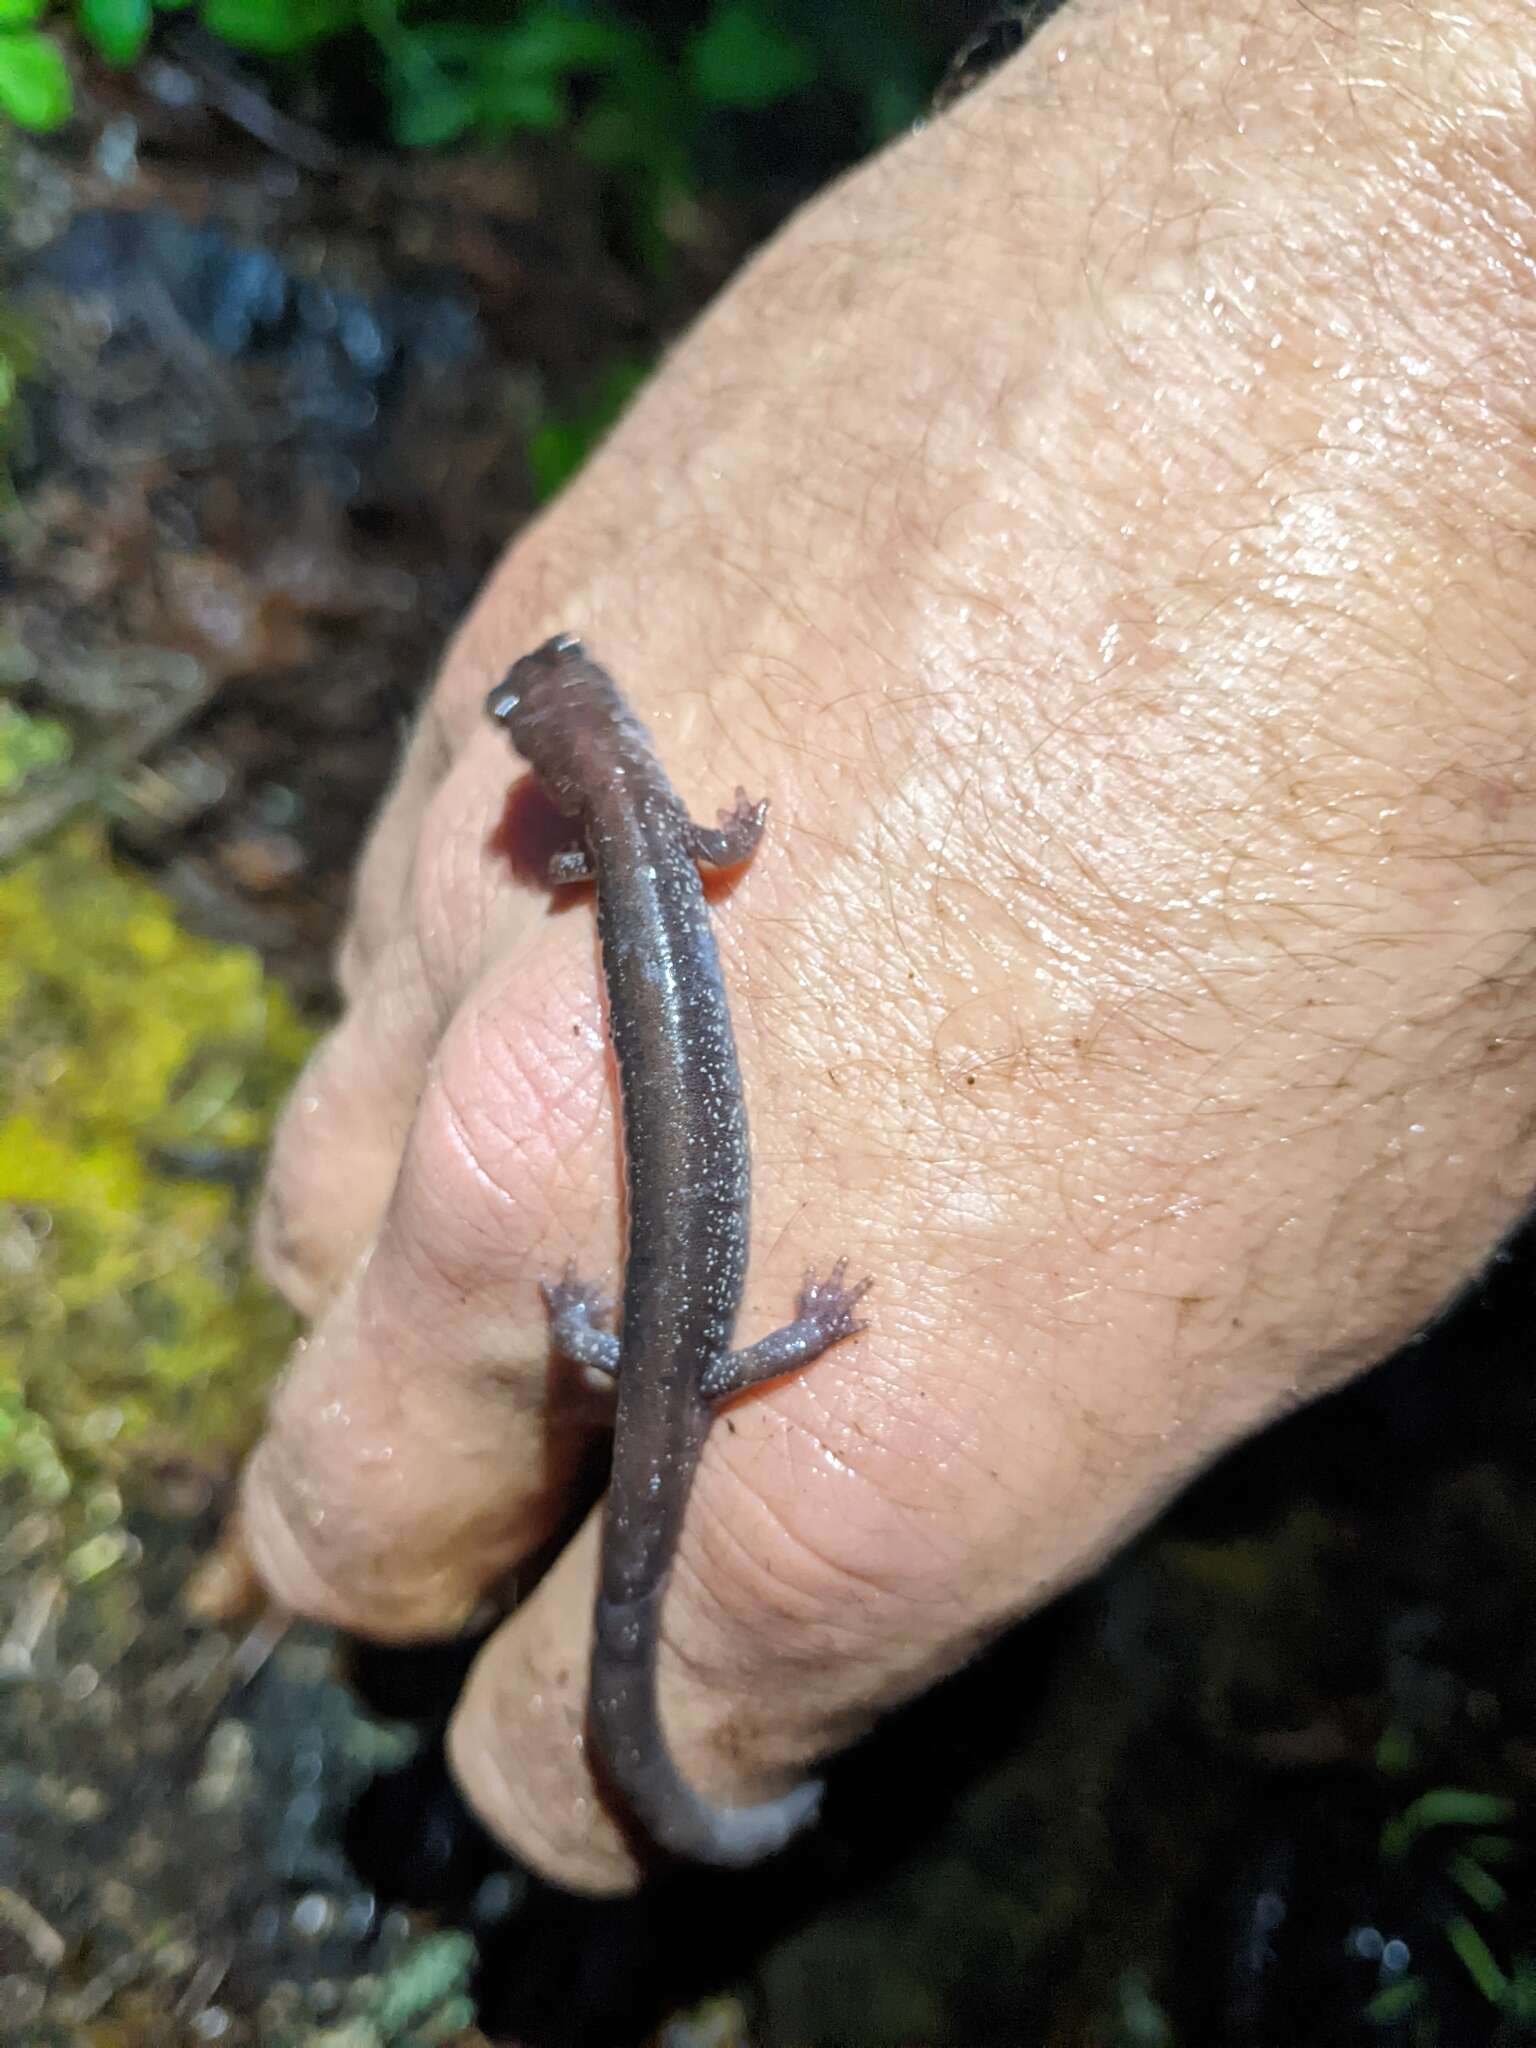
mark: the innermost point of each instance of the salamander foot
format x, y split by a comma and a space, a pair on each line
577, 1314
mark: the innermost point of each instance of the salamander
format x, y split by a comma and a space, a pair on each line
688, 1185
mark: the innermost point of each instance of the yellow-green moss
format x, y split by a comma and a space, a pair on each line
28, 746
127, 1315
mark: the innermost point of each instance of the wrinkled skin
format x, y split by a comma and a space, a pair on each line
1102, 526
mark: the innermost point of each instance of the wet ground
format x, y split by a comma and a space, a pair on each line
171, 1866
1269, 1780
279, 429
285, 409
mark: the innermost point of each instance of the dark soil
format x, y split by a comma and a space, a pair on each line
278, 434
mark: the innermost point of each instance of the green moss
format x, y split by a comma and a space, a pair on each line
127, 1316
28, 746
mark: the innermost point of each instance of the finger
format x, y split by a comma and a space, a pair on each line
503, 622
387, 881
518, 1743
382, 882
815, 1582
338, 1145
787, 1625
419, 1444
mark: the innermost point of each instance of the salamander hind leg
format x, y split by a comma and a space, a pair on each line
824, 1315
577, 1315
734, 839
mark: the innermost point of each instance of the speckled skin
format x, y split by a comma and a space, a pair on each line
689, 1183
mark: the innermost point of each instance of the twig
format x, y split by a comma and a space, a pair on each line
241, 101
23, 823
23, 1918
18, 1652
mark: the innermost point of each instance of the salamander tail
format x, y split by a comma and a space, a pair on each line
638, 1764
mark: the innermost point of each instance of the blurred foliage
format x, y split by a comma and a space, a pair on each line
666, 98
127, 1316
561, 442
29, 747
17, 357
34, 80
633, 97
1459, 1840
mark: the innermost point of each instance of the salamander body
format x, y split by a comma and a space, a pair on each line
688, 1175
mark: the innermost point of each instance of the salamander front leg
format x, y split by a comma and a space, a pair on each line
734, 839
824, 1314
573, 865
577, 1314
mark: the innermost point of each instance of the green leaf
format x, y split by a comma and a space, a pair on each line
450, 77
1478, 1959
277, 27
432, 115
1493, 1848
561, 442
635, 125
890, 105
508, 102
1449, 1805
449, 43
1480, 1885
20, 13
437, 1965
1446, 1806
28, 746
116, 29
1521, 2002
1391, 2004
1395, 1752
877, 61
555, 40
34, 82
741, 58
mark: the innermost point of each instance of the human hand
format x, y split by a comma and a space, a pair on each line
1100, 527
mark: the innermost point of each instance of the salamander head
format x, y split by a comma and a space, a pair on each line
532, 682
559, 709
564, 715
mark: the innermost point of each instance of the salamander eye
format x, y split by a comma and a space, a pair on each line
503, 701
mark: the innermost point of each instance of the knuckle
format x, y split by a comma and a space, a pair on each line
347, 1535
289, 1245
783, 1583
554, 1826
469, 1163
446, 889
381, 897
430, 750
856, 1533
275, 1541
330, 1557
